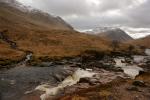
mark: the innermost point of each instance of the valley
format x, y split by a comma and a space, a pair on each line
43, 57
66, 79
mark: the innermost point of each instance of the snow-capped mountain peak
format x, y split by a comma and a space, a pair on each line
17, 5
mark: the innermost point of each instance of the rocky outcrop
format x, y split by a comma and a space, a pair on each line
6, 39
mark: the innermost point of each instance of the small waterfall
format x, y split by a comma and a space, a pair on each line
28, 57
69, 81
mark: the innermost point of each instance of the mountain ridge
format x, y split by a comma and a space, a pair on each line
17, 11
112, 33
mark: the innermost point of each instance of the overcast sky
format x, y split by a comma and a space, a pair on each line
87, 14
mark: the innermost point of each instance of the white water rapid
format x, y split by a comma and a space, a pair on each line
69, 81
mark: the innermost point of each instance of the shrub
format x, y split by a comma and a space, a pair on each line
89, 55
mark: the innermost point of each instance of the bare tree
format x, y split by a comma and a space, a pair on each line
131, 48
115, 44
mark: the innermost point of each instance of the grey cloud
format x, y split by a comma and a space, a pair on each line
114, 4
84, 14
140, 15
63, 7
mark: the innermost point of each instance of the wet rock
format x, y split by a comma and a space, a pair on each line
46, 64
93, 64
139, 83
84, 80
78, 64
132, 88
83, 85
89, 81
94, 82
128, 60
58, 63
58, 77
116, 69
142, 72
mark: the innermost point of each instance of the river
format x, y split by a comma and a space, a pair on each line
22, 80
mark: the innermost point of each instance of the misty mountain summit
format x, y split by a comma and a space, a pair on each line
112, 33
21, 14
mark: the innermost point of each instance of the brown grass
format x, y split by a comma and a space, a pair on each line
7, 53
143, 42
44, 38
57, 43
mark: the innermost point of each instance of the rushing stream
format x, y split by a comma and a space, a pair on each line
130, 70
15, 82
69, 81
23, 80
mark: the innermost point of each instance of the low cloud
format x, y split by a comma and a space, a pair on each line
85, 14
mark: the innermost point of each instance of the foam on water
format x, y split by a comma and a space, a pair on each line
119, 62
130, 70
147, 52
28, 57
138, 59
69, 81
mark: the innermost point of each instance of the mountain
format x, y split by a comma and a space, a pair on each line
25, 29
142, 42
22, 16
112, 33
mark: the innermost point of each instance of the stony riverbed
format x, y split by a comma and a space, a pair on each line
56, 79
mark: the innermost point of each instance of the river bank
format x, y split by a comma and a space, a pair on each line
57, 79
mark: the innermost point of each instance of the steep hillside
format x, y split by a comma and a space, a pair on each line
13, 14
42, 34
7, 53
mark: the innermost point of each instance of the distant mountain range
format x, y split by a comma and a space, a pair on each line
111, 33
